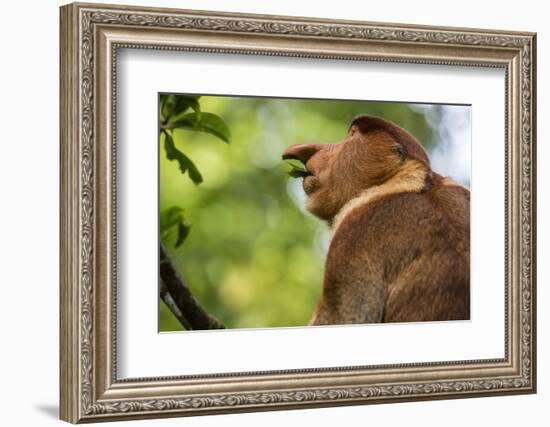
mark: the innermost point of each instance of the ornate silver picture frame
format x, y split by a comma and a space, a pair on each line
91, 36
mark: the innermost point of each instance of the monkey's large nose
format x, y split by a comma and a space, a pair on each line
301, 152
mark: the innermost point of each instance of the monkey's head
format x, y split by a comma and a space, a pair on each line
373, 151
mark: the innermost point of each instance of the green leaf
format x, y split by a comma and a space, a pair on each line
297, 170
205, 122
183, 103
175, 105
162, 104
183, 232
185, 163
171, 218
294, 173
194, 173
166, 105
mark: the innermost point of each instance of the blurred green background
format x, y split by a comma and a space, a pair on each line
253, 257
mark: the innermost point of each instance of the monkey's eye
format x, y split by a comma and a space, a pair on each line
400, 150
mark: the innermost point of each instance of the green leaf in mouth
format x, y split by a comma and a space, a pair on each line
297, 170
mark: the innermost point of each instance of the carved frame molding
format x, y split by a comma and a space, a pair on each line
90, 36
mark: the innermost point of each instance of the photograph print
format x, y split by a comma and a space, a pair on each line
280, 212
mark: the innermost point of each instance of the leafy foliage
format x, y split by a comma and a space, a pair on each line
170, 219
175, 105
184, 162
173, 115
204, 122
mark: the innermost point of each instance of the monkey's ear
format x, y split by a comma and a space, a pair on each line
400, 151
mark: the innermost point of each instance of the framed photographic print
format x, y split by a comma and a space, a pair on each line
265, 212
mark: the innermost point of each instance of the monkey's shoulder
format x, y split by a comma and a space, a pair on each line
442, 213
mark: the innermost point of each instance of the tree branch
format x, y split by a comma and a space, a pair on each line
194, 316
169, 301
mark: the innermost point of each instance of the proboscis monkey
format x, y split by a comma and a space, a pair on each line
400, 247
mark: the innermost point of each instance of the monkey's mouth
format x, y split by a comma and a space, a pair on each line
299, 170
306, 173
310, 184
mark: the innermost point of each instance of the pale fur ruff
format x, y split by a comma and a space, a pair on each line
410, 179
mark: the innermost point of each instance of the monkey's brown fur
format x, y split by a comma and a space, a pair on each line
400, 250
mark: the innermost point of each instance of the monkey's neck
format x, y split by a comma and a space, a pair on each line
411, 178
